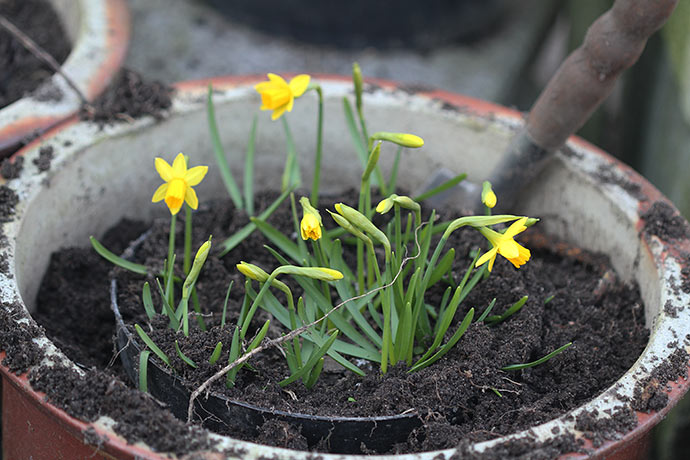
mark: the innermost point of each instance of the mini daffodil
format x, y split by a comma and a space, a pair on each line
503, 244
179, 181
310, 226
488, 195
279, 95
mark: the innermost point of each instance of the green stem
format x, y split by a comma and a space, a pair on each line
171, 253
319, 144
187, 262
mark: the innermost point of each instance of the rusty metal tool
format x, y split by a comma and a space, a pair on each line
612, 44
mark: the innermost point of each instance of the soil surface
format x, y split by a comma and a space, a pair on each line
454, 398
21, 71
129, 96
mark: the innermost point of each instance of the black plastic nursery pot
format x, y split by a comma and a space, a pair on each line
100, 176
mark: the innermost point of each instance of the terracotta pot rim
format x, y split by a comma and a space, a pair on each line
97, 53
193, 92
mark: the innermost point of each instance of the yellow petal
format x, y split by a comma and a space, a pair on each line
264, 86
163, 168
195, 175
516, 227
298, 85
488, 255
289, 105
278, 112
276, 79
179, 167
191, 198
175, 195
159, 194
508, 249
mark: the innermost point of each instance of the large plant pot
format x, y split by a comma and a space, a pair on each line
584, 196
99, 33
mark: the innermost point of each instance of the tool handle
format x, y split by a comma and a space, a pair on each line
613, 43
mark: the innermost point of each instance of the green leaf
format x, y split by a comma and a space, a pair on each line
184, 357
450, 344
278, 238
144, 371
232, 356
221, 160
216, 353
360, 148
441, 188
549, 299
116, 260
517, 367
487, 311
148, 301
313, 359
393, 178
259, 336
442, 267
247, 230
314, 375
495, 319
174, 320
149, 343
249, 170
225, 305
291, 176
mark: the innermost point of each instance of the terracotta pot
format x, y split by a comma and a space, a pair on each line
585, 196
99, 33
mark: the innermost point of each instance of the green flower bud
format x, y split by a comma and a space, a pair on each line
404, 139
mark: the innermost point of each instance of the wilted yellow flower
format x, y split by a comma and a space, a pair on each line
310, 227
488, 195
179, 181
279, 95
503, 244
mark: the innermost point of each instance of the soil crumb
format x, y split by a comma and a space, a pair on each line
45, 156
663, 221
8, 200
11, 169
129, 96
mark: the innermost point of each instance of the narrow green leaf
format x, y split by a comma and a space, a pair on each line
292, 176
184, 357
314, 375
360, 148
174, 320
148, 301
249, 170
225, 305
517, 367
116, 260
232, 356
259, 336
442, 267
450, 183
144, 371
216, 353
448, 345
313, 359
487, 311
495, 319
549, 299
393, 178
247, 230
221, 160
149, 343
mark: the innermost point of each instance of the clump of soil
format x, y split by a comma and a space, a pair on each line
129, 96
8, 200
45, 156
663, 221
21, 71
11, 169
454, 398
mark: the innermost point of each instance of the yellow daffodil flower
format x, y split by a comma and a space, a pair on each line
279, 95
488, 195
179, 181
504, 245
310, 227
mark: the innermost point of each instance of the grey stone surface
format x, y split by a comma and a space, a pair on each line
176, 40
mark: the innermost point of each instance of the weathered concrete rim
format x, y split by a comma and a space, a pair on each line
585, 160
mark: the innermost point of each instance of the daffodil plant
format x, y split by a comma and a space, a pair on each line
378, 310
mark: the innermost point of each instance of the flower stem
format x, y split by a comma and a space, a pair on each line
187, 262
317, 160
171, 253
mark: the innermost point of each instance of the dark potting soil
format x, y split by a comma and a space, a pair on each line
129, 96
663, 221
454, 397
8, 200
21, 71
45, 156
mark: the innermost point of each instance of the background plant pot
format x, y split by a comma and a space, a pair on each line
99, 33
584, 196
